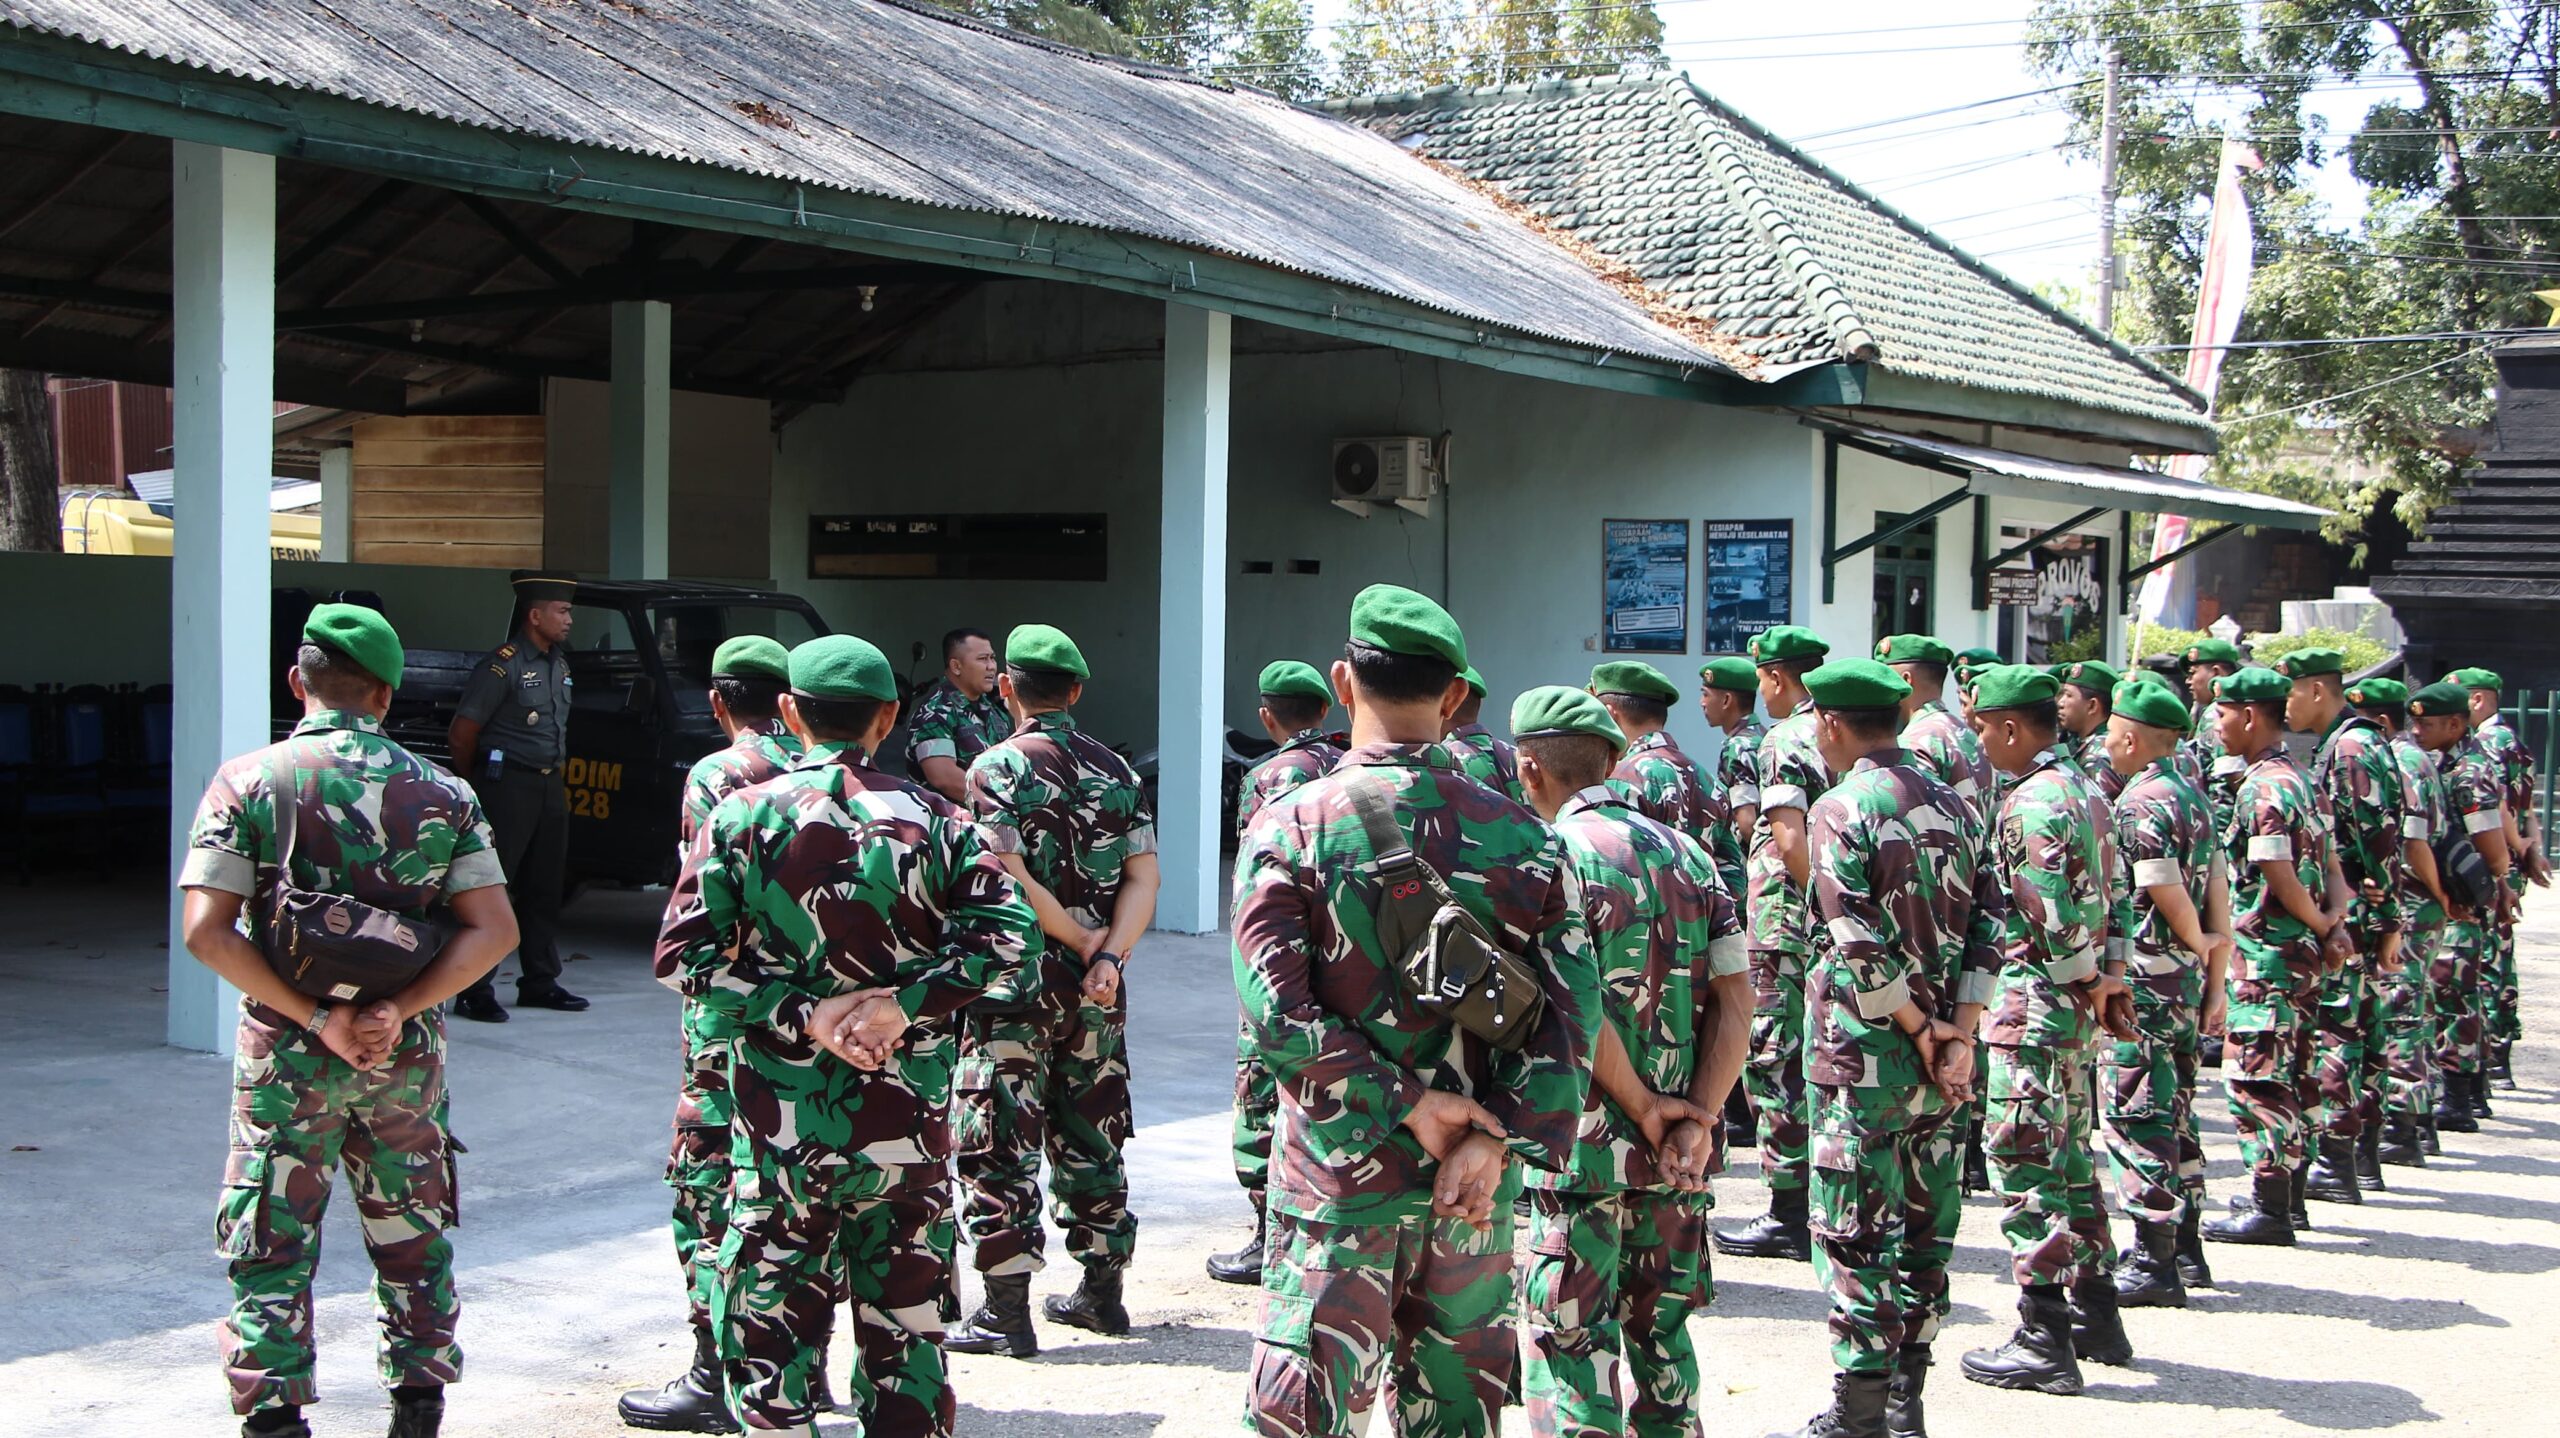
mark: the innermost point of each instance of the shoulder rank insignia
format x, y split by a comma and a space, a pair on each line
506, 651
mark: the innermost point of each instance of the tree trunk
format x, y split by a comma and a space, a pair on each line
30, 501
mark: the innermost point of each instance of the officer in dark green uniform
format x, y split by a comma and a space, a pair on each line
510, 738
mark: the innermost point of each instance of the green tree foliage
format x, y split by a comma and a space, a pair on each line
2461, 185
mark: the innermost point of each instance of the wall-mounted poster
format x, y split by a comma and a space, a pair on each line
2069, 602
1644, 586
1750, 580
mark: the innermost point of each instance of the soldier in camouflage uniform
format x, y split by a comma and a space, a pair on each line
2358, 784
1664, 784
2209, 661
2174, 901
1392, 1187
2475, 798
2403, 1037
1482, 755
1294, 700
1792, 776
829, 924
959, 718
2086, 701
1044, 1064
1907, 919
1729, 697
329, 1084
748, 674
2490, 731
2277, 844
1617, 1251
2058, 984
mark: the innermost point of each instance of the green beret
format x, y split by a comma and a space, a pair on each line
1786, 641
1730, 673
751, 656
2305, 663
2476, 679
362, 635
1399, 621
1475, 681
2442, 697
2384, 693
1557, 709
2253, 685
2214, 651
1978, 656
2091, 675
1856, 684
1913, 649
1633, 676
2147, 702
2151, 676
1292, 677
2012, 686
1038, 646
541, 586
840, 666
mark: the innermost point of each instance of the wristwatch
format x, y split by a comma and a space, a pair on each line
319, 1017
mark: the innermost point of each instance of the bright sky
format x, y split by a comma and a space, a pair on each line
1989, 178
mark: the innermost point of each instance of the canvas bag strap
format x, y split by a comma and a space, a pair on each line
286, 799
1413, 893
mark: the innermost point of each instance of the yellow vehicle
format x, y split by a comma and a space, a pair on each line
102, 522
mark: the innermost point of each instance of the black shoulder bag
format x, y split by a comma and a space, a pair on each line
329, 946
1449, 965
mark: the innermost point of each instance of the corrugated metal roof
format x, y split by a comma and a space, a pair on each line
2008, 473
1797, 264
915, 105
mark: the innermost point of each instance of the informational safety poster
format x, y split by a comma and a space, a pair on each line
1644, 567
1750, 580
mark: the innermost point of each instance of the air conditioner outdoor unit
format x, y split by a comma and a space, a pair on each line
1402, 470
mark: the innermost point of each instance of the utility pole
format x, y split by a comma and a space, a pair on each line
2110, 136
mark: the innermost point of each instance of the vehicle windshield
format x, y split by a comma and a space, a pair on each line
689, 631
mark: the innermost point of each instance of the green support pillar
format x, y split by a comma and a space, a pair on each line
637, 434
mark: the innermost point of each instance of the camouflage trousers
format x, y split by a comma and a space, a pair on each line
1029, 1084
2147, 1087
878, 1234
2344, 1044
1423, 1305
298, 1115
2453, 971
1773, 1073
1257, 1099
2038, 1139
1887, 1194
1612, 1273
2498, 994
2405, 1028
698, 1169
2269, 1058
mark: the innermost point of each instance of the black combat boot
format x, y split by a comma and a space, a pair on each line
2476, 1088
1977, 1164
1095, 1305
822, 1394
280, 1422
2193, 1270
2402, 1144
1903, 1414
2369, 1157
1002, 1323
693, 1403
2262, 1216
1779, 1233
2296, 1193
2453, 1104
1245, 1264
2038, 1356
2148, 1277
2331, 1175
1856, 1411
2097, 1329
417, 1412
2501, 1065
2428, 1138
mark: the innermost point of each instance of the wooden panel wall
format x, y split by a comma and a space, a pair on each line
462, 491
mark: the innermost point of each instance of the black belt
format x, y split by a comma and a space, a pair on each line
511, 769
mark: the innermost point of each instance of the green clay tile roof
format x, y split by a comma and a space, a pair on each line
1774, 251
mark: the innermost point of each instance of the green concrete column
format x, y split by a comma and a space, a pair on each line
636, 427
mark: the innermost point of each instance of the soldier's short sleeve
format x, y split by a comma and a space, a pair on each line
1742, 775
1539, 1092
2064, 907
1841, 839
484, 691
231, 833
474, 861
996, 798
1141, 838
2143, 841
1787, 780
2270, 826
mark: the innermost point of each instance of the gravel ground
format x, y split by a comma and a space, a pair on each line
2415, 1309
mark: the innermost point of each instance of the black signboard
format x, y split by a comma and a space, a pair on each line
1750, 580
958, 546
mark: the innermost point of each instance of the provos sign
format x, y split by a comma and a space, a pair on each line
592, 785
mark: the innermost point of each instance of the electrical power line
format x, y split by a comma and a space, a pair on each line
2424, 338
2330, 399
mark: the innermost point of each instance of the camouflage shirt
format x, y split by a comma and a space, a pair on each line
1074, 811
1307, 754
2428, 816
2474, 786
1350, 1052
2275, 817
1738, 762
1486, 758
2164, 835
372, 822
948, 724
1662, 929
829, 878
2221, 771
1663, 785
2514, 762
755, 755
2053, 845
1908, 908
1945, 746
2359, 784
1792, 776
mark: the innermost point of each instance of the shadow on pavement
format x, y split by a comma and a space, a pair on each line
2471, 1253
2319, 1403
1229, 1350
1039, 1423
2395, 1315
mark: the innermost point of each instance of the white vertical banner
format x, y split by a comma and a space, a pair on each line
2222, 291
